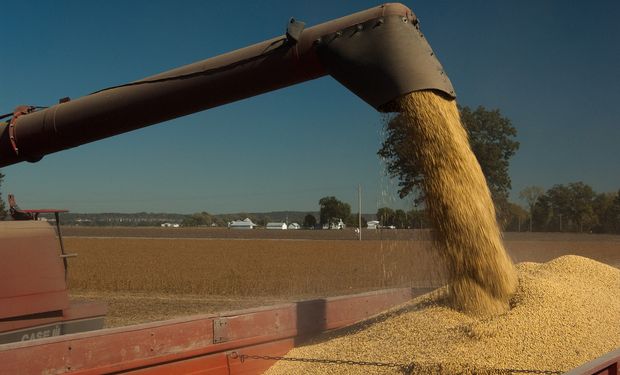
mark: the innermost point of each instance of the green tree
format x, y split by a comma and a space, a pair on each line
417, 219
3, 212
613, 215
566, 208
582, 213
400, 219
542, 214
606, 218
353, 220
385, 215
309, 221
331, 209
198, 220
560, 199
491, 137
530, 195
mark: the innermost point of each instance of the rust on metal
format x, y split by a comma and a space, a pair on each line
17, 112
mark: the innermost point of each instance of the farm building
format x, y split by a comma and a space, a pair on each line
294, 226
242, 224
373, 224
275, 225
335, 223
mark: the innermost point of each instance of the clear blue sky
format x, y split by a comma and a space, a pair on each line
552, 67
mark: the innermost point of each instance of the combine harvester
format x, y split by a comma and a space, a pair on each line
379, 54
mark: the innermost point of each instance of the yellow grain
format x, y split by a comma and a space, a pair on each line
564, 313
481, 276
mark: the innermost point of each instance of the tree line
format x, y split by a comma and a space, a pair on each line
574, 207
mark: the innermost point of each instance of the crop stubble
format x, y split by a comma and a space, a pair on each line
149, 279
205, 275
244, 268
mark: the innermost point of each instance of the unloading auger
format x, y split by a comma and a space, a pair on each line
379, 54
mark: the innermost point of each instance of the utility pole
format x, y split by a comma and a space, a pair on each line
359, 196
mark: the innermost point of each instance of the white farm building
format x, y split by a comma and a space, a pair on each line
279, 226
242, 224
373, 224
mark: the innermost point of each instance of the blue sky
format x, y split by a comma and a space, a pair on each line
549, 66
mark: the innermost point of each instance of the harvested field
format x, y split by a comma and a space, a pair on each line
245, 268
225, 233
153, 279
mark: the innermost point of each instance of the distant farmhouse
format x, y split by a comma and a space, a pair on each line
373, 224
277, 225
335, 224
242, 224
294, 226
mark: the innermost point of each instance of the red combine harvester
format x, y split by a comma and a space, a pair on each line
34, 302
379, 54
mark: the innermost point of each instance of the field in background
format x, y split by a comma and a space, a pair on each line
225, 233
153, 277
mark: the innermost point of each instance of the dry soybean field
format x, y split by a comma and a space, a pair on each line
147, 274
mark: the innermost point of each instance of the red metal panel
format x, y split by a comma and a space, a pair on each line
271, 330
609, 364
304, 317
106, 350
215, 364
32, 275
276, 323
15, 306
82, 309
343, 311
258, 366
77, 310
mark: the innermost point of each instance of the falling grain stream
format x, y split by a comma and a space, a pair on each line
491, 317
481, 277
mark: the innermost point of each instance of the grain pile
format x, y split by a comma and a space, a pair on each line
481, 277
564, 313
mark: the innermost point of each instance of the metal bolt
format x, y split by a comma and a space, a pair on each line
338, 33
359, 27
405, 20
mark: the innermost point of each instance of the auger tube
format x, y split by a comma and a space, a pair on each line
379, 54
